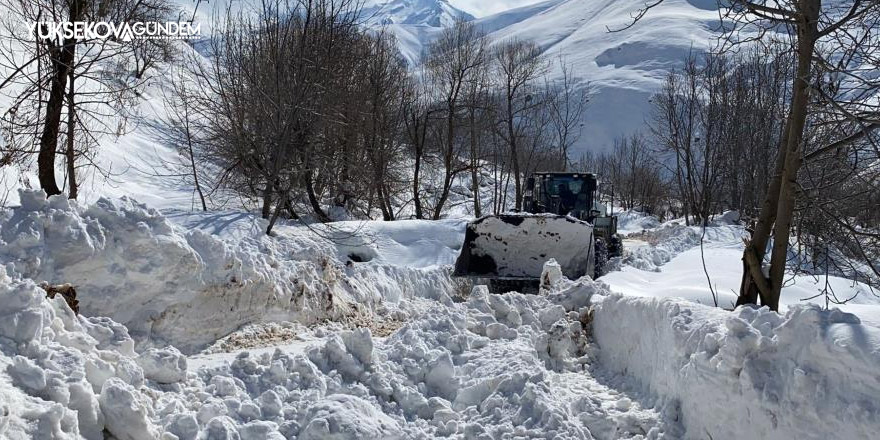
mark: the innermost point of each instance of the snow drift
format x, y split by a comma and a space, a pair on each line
751, 373
72, 377
188, 287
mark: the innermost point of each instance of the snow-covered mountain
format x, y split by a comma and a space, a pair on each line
624, 67
414, 22
432, 13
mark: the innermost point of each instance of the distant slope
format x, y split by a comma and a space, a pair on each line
625, 68
431, 13
413, 22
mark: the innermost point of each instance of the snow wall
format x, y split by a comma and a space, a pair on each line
188, 288
810, 374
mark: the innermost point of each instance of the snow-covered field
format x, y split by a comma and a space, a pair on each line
198, 326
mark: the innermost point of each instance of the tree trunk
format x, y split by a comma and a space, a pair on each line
267, 200
756, 248
417, 201
448, 162
282, 202
384, 205
314, 202
62, 59
807, 32
71, 153
475, 171
192, 163
778, 209
444, 195
514, 156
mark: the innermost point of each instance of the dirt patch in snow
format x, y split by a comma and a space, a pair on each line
256, 336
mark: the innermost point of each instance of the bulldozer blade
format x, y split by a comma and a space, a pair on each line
516, 246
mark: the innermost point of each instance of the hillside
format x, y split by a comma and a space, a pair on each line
624, 68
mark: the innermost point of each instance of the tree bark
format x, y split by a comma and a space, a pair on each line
756, 248
807, 34
71, 131
448, 159
267, 200
314, 202
475, 169
192, 163
62, 59
514, 154
417, 201
778, 209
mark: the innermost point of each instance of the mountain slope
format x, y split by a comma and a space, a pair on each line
624, 67
432, 13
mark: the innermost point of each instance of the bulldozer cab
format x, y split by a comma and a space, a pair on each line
562, 194
572, 194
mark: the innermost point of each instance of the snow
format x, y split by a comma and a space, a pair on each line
168, 346
432, 13
198, 326
632, 221
189, 287
780, 375
669, 256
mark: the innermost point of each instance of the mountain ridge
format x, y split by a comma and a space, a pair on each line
624, 68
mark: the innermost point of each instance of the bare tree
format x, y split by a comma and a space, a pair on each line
384, 73
415, 109
567, 99
453, 60
67, 92
519, 65
823, 36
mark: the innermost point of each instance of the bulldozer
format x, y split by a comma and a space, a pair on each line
562, 219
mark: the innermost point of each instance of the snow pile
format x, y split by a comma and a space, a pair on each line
632, 221
750, 373
189, 287
496, 365
665, 243
492, 365
672, 239
411, 243
64, 376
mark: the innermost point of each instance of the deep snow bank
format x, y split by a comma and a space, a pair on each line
189, 287
64, 376
810, 374
671, 239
